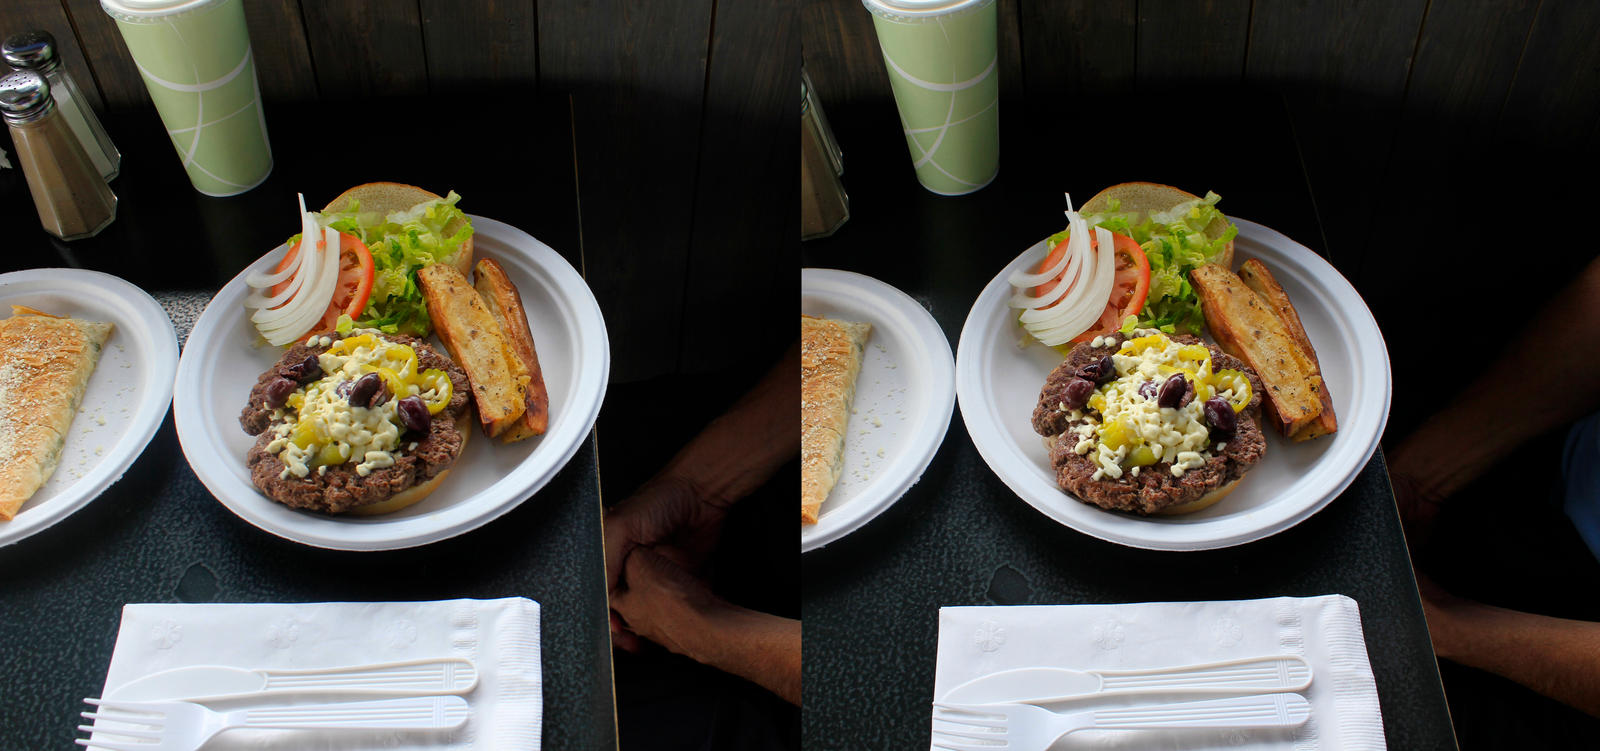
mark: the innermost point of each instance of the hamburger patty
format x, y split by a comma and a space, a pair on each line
340, 488
1154, 488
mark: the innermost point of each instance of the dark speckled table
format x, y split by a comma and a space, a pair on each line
158, 535
961, 537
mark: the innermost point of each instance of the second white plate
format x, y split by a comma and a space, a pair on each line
904, 398
127, 397
998, 381
221, 361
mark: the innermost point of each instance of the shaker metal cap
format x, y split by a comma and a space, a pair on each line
24, 96
31, 50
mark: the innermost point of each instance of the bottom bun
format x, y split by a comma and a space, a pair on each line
415, 493
1202, 502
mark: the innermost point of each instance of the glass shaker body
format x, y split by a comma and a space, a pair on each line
36, 51
80, 118
72, 198
824, 204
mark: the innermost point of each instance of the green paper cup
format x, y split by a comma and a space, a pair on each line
940, 55
195, 58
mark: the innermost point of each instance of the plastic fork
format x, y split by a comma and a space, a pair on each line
1024, 727
183, 726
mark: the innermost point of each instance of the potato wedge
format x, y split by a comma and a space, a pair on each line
1246, 327
473, 336
1259, 279
505, 304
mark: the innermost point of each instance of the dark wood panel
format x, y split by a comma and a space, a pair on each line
49, 15
1182, 41
366, 48
840, 48
1343, 70
1078, 48
841, 52
637, 72
1555, 100
120, 84
277, 39
744, 251
478, 42
282, 52
1466, 59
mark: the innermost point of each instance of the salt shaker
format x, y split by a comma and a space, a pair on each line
36, 51
72, 198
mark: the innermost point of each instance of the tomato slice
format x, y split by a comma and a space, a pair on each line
1129, 288
350, 293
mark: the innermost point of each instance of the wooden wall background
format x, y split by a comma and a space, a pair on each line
1379, 90
1437, 135
684, 120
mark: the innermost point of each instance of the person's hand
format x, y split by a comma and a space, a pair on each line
1418, 510
666, 513
662, 602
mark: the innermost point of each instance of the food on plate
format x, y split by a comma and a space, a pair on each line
359, 268
476, 341
1153, 424
505, 304
366, 423
830, 360
1121, 264
1255, 275
45, 364
1245, 324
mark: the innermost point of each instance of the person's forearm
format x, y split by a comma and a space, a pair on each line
1543, 379
1556, 657
761, 648
742, 448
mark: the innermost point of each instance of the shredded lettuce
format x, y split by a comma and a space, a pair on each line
1175, 242
401, 243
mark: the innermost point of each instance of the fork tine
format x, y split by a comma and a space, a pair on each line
985, 735
974, 720
130, 733
134, 707
109, 746
154, 722
948, 745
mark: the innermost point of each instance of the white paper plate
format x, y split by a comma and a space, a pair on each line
904, 398
127, 396
998, 382
222, 361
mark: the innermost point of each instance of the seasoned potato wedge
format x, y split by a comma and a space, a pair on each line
1246, 327
505, 304
476, 342
1259, 279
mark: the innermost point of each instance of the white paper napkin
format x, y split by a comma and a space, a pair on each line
501, 637
1326, 631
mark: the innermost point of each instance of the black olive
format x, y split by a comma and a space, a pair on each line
278, 390
1171, 394
365, 388
1219, 415
308, 369
1077, 392
414, 414
1099, 371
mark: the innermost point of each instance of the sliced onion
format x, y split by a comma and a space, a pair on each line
264, 280
1066, 321
302, 313
286, 316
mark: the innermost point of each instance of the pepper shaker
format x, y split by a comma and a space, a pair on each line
36, 51
824, 204
72, 198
